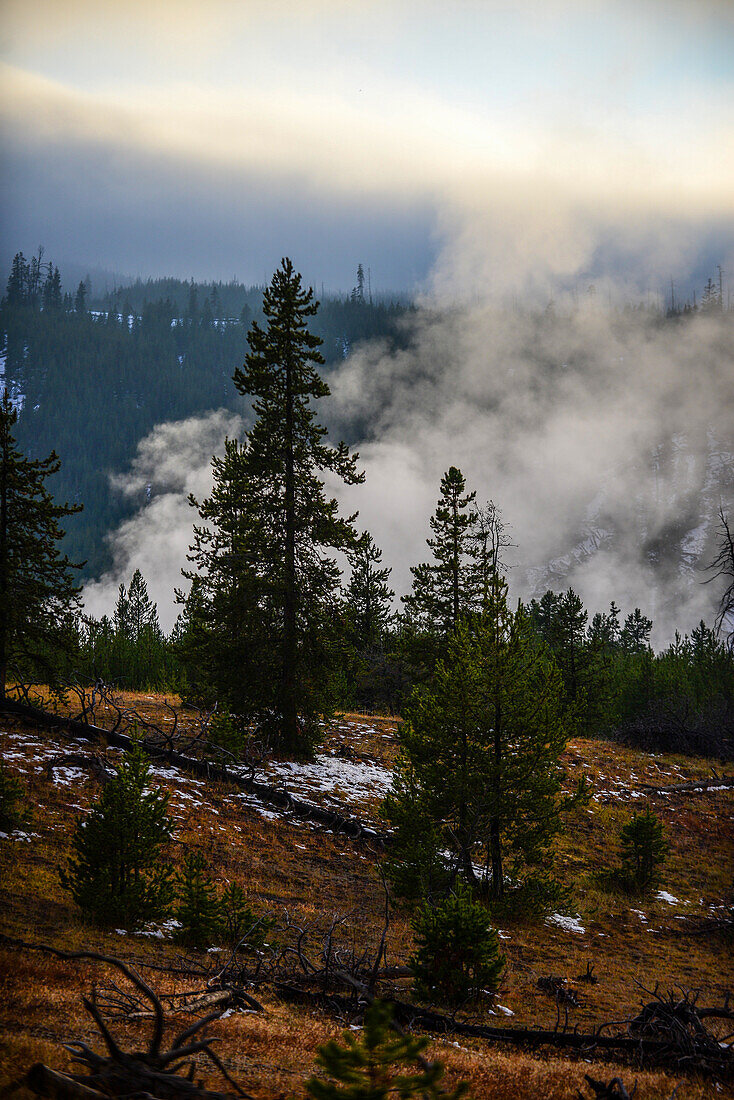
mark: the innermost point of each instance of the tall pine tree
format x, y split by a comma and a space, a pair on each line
479, 775
444, 588
37, 592
368, 595
269, 589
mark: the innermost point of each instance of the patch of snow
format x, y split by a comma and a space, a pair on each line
63, 776
507, 1011
663, 895
328, 774
568, 924
162, 931
18, 834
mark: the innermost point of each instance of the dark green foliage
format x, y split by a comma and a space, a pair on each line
368, 596
267, 591
480, 754
643, 850
368, 663
37, 594
444, 589
83, 367
561, 623
635, 634
680, 700
197, 909
226, 737
458, 955
12, 812
116, 873
380, 1065
239, 926
130, 651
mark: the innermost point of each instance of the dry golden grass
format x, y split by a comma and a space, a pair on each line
313, 875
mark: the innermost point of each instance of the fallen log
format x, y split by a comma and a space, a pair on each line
726, 782
275, 797
411, 1016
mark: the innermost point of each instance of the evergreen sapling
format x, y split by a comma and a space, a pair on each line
115, 873
378, 1066
458, 955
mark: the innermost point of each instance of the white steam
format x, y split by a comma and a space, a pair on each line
604, 435
171, 462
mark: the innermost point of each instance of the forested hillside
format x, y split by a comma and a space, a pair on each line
91, 374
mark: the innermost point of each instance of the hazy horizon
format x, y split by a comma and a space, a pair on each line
591, 141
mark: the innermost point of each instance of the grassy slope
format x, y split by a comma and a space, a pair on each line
314, 875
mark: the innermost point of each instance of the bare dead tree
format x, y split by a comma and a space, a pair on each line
154, 1073
608, 1090
723, 567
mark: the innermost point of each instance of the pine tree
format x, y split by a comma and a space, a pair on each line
635, 634
480, 751
561, 622
198, 910
37, 593
643, 850
141, 612
268, 588
443, 589
241, 928
376, 1067
17, 288
116, 873
52, 298
368, 596
80, 299
458, 955
11, 800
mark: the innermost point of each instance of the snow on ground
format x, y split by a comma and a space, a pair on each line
332, 775
568, 924
663, 895
31, 754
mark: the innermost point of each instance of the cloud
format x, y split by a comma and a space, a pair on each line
605, 437
175, 460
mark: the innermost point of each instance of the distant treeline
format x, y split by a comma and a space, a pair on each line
91, 376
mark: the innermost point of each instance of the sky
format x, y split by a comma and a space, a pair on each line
538, 144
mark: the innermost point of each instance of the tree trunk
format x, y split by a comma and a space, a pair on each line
495, 849
4, 624
290, 730
495, 841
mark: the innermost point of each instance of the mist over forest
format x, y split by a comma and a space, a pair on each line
601, 428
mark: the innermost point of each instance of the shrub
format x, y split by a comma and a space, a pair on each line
198, 910
533, 899
227, 738
11, 800
115, 873
458, 956
239, 926
643, 850
374, 1068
